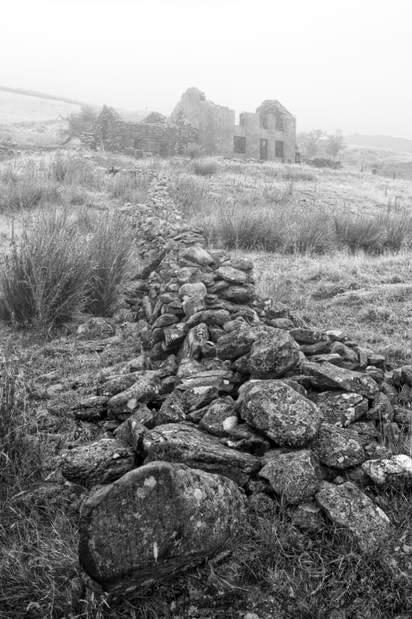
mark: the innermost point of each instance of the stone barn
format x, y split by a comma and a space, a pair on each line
269, 133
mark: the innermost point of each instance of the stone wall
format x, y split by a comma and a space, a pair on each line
233, 401
155, 135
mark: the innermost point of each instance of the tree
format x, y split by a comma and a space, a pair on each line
334, 144
310, 142
82, 121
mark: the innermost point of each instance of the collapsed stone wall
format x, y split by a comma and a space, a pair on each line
233, 400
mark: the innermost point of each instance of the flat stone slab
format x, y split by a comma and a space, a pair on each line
326, 376
183, 442
347, 506
155, 522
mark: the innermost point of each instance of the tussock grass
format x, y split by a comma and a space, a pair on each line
205, 167
109, 251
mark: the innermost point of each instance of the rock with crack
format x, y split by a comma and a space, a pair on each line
99, 462
294, 476
183, 442
280, 412
156, 522
326, 376
347, 506
398, 468
339, 448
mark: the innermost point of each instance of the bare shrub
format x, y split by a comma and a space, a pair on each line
109, 250
205, 167
44, 274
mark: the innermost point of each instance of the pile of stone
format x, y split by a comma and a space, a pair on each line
232, 399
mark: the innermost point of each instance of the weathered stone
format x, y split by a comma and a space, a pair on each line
174, 335
155, 522
273, 354
381, 409
220, 378
145, 389
183, 442
239, 294
327, 376
198, 254
219, 411
117, 383
165, 320
92, 408
131, 433
97, 463
210, 317
172, 409
239, 342
238, 262
347, 506
341, 409
339, 448
406, 374
304, 335
295, 476
278, 411
389, 471
231, 275
242, 437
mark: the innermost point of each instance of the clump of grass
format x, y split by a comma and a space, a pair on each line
26, 193
45, 273
73, 170
128, 187
374, 235
189, 193
205, 167
109, 250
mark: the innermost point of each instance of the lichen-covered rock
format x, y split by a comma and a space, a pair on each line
339, 448
389, 471
278, 411
96, 328
131, 432
273, 354
381, 409
294, 476
155, 522
197, 254
172, 409
341, 409
308, 517
219, 412
99, 462
239, 341
183, 442
347, 506
326, 376
231, 275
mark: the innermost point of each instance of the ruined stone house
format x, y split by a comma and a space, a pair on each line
269, 133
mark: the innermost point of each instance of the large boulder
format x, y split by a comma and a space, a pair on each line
273, 354
155, 522
347, 506
338, 448
183, 442
324, 376
295, 476
280, 412
99, 462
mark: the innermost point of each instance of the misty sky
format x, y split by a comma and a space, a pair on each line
336, 64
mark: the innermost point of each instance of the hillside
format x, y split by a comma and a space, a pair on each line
386, 142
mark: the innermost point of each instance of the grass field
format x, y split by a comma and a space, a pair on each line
274, 570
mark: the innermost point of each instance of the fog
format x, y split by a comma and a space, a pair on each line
336, 64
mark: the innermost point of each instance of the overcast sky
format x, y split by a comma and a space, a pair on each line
336, 64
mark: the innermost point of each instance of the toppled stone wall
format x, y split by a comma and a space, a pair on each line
232, 400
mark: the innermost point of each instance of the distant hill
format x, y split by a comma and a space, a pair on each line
387, 142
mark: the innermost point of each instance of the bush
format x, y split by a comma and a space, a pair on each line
44, 275
205, 167
374, 235
109, 250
